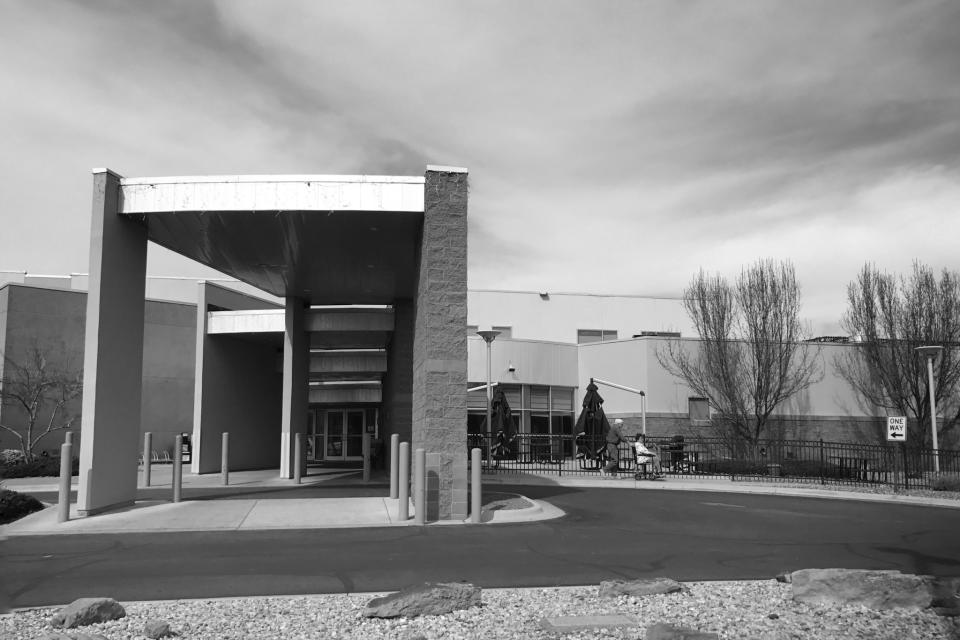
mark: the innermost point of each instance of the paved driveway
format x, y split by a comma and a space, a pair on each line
607, 533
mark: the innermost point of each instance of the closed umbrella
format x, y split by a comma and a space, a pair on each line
592, 424
503, 425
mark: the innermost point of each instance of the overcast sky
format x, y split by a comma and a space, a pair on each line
613, 147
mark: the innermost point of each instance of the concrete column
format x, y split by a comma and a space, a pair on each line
113, 353
296, 364
439, 412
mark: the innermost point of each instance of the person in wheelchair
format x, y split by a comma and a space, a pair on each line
647, 456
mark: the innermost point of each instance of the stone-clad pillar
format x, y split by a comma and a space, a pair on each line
440, 343
296, 383
113, 353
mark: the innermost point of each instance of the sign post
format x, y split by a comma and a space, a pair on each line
897, 432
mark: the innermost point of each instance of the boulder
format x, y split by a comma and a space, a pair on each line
614, 588
424, 600
86, 611
783, 576
156, 629
664, 631
878, 590
946, 596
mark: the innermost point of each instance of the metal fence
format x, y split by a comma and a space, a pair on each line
801, 461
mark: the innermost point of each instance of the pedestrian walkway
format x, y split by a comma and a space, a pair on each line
331, 498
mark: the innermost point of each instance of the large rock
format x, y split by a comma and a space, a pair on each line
946, 596
614, 588
424, 600
155, 629
664, 631
86, 611
871, 589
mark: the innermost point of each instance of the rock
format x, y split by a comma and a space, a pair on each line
424, 600
773, 616
73, 635
783, 576
86, 611
614, 588
945, 592
663, 631
156, 629
872, 589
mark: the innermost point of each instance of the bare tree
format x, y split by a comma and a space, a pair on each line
39, 392
751, 356
892, 315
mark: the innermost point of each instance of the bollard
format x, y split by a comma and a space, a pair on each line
420, 487
178, 468
394, 464
476, 487
403, 511
63, 504
365, 452
298, 457
68, 437
225, 458
147, 453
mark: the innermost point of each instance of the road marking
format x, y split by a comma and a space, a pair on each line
724, 504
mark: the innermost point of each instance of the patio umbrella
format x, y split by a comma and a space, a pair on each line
592, 424
503, 423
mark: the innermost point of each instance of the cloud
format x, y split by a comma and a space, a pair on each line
613, 147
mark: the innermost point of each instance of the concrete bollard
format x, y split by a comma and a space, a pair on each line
394, 464
298, 457
403, 510
147, 454
365, 452
225, 458
68, 437
420, 487
178, 468
476, 487
66, 467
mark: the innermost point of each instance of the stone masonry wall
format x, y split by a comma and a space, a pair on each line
439, 411
828, 428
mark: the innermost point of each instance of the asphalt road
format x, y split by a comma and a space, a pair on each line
607, 533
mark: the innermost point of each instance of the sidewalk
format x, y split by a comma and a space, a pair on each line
332, 498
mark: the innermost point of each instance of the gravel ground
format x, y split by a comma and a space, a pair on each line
736, 610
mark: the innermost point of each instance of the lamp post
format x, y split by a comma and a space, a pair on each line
489, 336
931, 353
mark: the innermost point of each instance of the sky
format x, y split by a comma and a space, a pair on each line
613, 147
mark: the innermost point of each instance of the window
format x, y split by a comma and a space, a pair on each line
585, 336
699, 410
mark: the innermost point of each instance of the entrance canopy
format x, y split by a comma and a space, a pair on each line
324, 239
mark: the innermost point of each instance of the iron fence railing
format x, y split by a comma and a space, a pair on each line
803, 461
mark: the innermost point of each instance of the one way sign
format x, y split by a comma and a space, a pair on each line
896, 429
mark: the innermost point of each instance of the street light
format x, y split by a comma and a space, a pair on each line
931, 353
489, 336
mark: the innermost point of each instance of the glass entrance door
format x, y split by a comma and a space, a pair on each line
343, 434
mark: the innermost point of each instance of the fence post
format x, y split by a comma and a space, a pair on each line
403, 508
177, 468
822, 479
365, 452
66, 469
476, 487
225, 458
298, 457
419, 487
147, 452
394, 464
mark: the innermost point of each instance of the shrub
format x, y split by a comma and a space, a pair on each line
14, 506
9, 456
38, 467
945, 482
